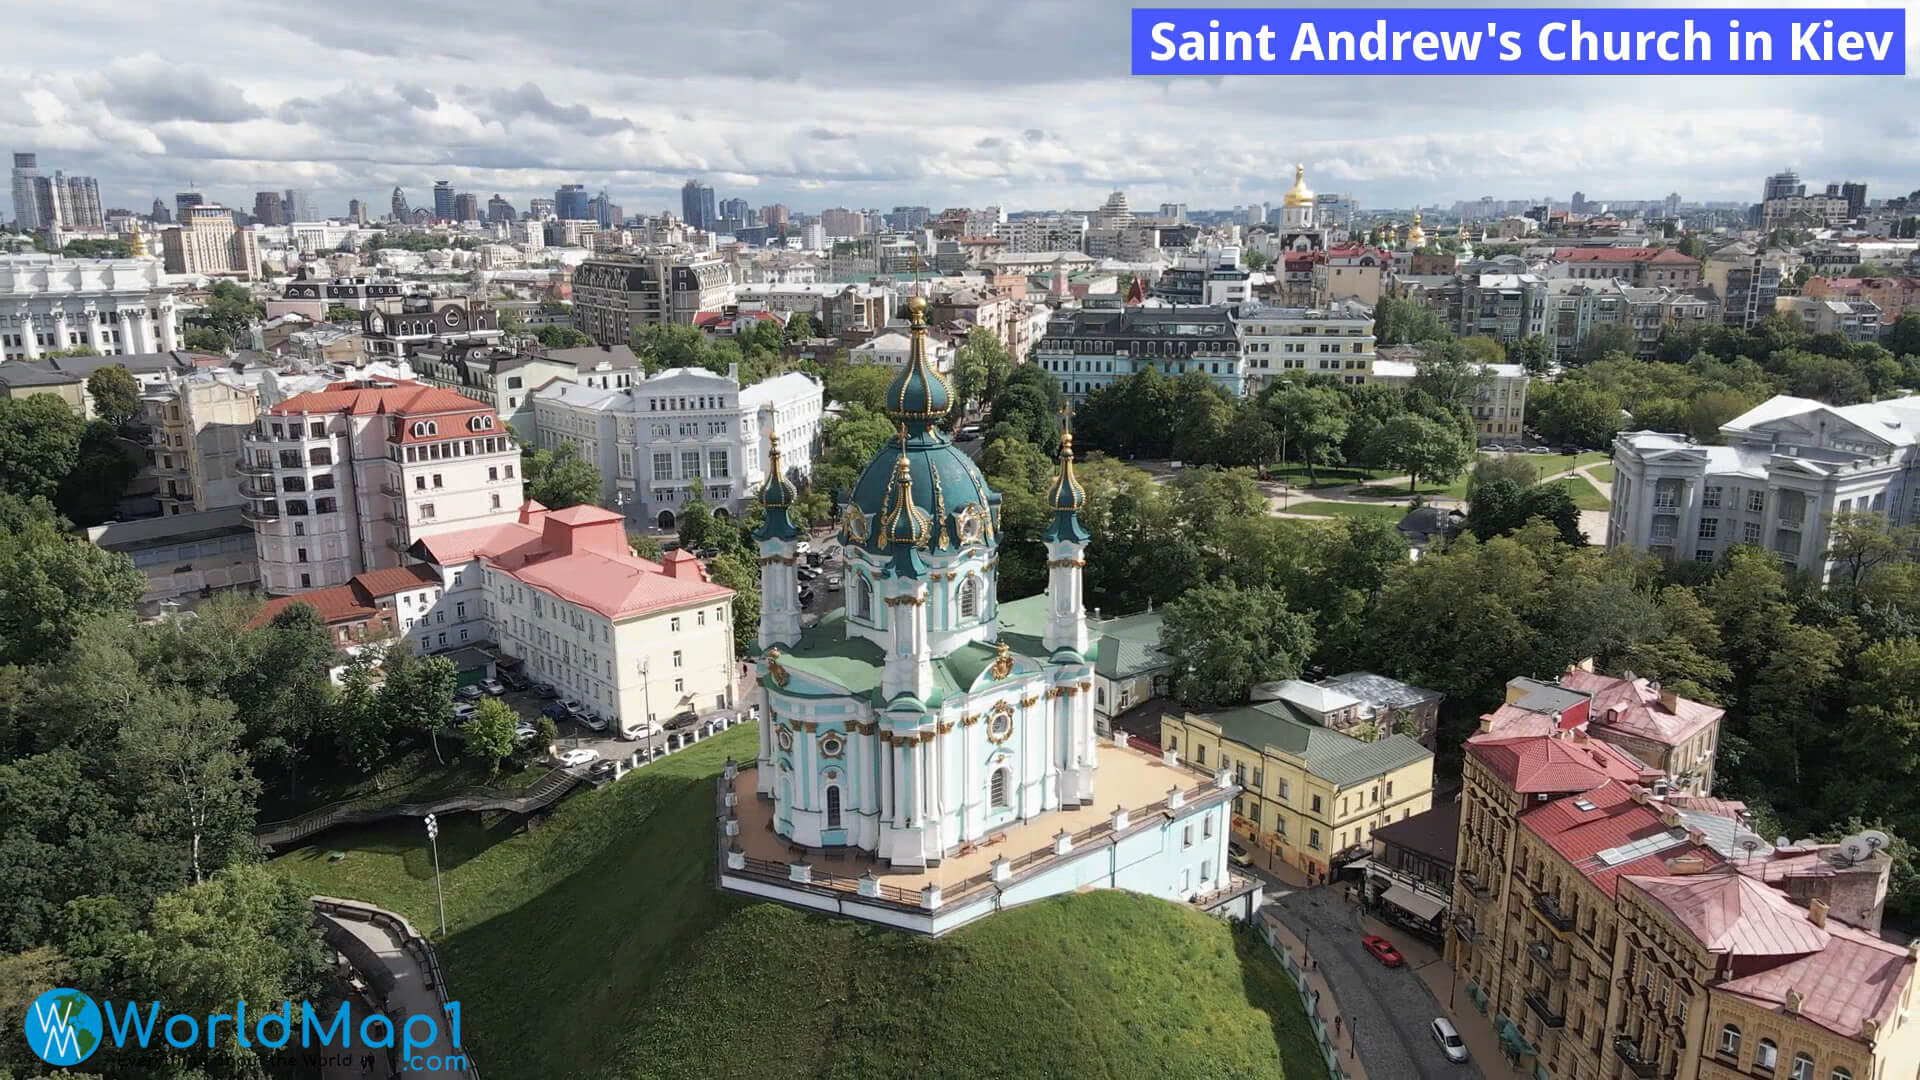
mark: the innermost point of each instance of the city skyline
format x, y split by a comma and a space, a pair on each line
521, 103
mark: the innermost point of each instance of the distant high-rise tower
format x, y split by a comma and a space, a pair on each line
1856, 195
499, 209
269, 208
295, 204
466, 207
161, 215
697, 205
1578, 204
570, 203
26, 214
356, 211
1784, 184
443, 200
184, 201
399, 208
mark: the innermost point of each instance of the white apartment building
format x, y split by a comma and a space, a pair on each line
560, 590
1787, 465
890, 350
346, 479
199, 423
683, 428
504, 379
1044, 233
1276, 342
114, 306
1856, 320
1500, 404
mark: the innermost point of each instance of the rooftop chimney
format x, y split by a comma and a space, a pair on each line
1792, 1004
1639, 794
1669, 700
1486, 723
1816, 914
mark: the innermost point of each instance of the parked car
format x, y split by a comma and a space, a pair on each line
1540, 450
1238, 855
1382, 950
807, 573
833, 583
1449, 1040
545, 690
579, 755
524, 732
964, 436
462, 712
815, 558
555, 712
802, 547
574, 708
591, 720
683, 720
468, 693
513, 680
602, 770
706, 552
494, 687
642, 730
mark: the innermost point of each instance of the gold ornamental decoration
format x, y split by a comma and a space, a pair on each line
774, 670
1000, 723
1029, 699
1002, 660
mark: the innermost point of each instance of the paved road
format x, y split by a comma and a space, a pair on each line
1390, 1007
411, 997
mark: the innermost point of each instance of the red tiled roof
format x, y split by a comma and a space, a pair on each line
357, 600
1730, 913
1855, 978
580, 555
1731, 809
1580, 835
400, 397
1532, 764
1635, 708
1663, 256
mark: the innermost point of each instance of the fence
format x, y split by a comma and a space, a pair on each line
543, 793
328, 912
1310, 998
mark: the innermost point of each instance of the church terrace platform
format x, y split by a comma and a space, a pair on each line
973, 880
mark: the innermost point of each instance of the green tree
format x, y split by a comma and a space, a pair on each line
1860, 540
1453, 372
558, 477
1533, 352
644, 546
1424, 449
799, 327
980, 368
860, 384
39, 444
1601, 342
418, 693
1407, 322
1224, 640
562, 337
62, 836
1030, 402
91, 493
1311, 420
1574, 414
738, 571
1207, 498
181, 753
52, 583
489, 735
204, 339
231, 310
116, 396
1902, 337
1254, 260
341, 313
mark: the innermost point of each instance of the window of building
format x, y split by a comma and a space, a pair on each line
689, 464
1709, 528
1313, 839
1730, 1041
970, 598
300, 555
1316, 804
1756, 501
833, 806
1206, 828
1802, 1068
863, 599
1199, 755
663, 466
1766, 1055
1186, 835
426, 511
1840, 1073
997, 794
1750, 532
676, 658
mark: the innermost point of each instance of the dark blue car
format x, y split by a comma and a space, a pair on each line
556, 712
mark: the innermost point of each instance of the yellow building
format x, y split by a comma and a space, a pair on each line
1609, 934
1310, 791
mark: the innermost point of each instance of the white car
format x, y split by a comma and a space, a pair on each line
802, 548
645, 729
579, 755
524, 732
1449, 1040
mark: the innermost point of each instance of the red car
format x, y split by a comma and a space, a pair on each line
1382, 950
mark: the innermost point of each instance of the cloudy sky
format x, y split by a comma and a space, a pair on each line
819, 103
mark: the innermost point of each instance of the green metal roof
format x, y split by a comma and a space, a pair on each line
1127, 646
825, 653
1341, 760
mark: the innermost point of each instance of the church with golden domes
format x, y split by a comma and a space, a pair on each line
1300, 228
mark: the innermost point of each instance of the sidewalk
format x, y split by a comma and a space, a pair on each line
1475, 1030
1319, 999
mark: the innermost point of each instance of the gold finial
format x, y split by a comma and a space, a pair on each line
1066, 428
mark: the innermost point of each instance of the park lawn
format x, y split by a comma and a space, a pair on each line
597, 945
1603, 472
1324, 476
1585, 495
1388, 512
413, 776
1454, 489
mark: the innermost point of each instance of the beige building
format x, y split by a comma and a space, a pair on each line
208, 242
199, 423
1677, 736
1499, 404
1309, 792
1282, 342
1346, 274
1610, 933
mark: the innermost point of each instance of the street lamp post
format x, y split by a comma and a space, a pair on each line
433, 838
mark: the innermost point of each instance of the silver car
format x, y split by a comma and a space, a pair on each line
1449, 1040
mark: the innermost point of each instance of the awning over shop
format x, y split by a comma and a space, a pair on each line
1512, 1040
1417, 904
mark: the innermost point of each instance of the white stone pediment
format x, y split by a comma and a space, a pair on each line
1792, 466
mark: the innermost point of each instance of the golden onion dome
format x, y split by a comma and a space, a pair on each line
1299, 194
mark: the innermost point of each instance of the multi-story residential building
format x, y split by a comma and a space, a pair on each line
1361, 704
26, 211
1130, 669
1635, 266
613, 298
562, 593
199, 422
1350, 273
1043, 233
1611, 932
443, 200
683, 431
66, 202
1088, 348
1805, 212
505, 379
1499, 404
1017, 322
1291, 342
1505, 307
381, 605
312, 297
466, 207
1579, 306
185, 557
1785, 468
1747, 281
1410, 874
268, 209
1650, 310
1856, 320
423, 322
697, 207
1894, 296
208, 242
345, 480
1209, 277
1309, 792
834, 308
1656, 726
892, 348
114, 306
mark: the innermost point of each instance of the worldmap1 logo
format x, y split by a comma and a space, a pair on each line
63, 1027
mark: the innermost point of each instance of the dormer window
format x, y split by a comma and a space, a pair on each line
481, 422
426, 427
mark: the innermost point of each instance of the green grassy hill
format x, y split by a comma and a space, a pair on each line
596, 945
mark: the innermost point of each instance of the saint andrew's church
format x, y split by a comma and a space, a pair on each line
926, 718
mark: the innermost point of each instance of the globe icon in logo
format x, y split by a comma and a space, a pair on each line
63, 1027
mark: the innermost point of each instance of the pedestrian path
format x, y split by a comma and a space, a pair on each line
1318, 998
402, 965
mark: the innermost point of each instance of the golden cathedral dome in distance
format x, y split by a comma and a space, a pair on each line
1416, 236
1299, 194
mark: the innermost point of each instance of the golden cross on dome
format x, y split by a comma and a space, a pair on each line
1066, 417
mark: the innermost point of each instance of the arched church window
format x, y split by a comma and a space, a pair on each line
997, 789
862, 599
833, 806
970, 598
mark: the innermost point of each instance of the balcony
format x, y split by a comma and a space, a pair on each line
391, 489
1544, 1009
260, 512
1474, 885
1542, 954
253, 468
1631, 1055
1548, 907
254, 489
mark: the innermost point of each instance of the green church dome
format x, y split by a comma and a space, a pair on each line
918, 396
777, 497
